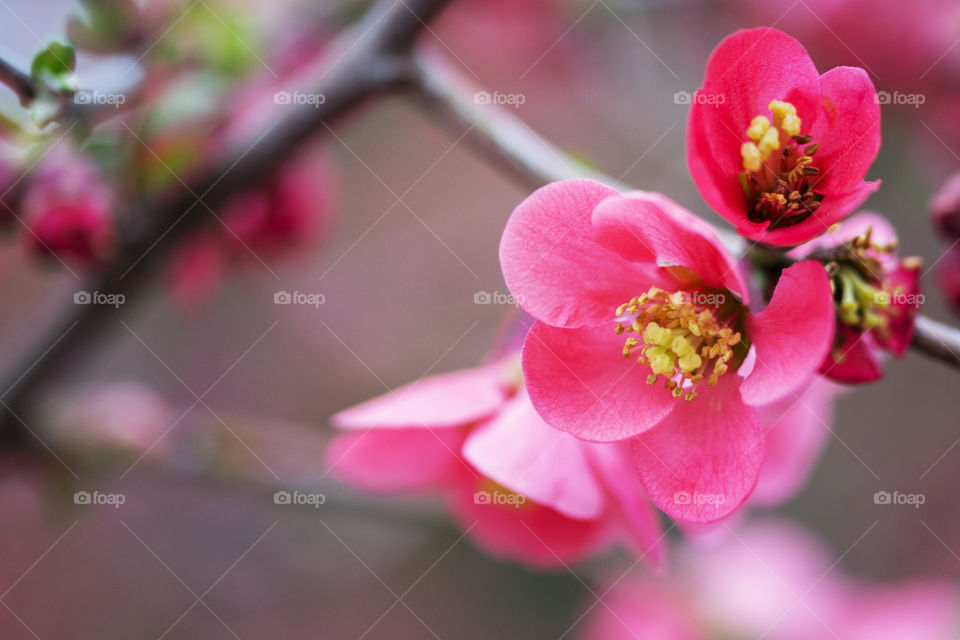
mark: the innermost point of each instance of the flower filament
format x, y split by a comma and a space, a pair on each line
779, 176
684, 342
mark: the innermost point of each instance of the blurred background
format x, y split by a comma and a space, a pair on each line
243, 388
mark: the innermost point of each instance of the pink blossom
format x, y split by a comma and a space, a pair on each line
945, 208
67, 207
629, 289
776, 148
775, 581
948, 276
524, 491
877, 295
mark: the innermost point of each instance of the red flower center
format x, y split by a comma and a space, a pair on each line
779, 175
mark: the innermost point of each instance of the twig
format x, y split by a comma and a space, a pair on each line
532, 162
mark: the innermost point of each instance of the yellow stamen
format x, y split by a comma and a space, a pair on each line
683, 342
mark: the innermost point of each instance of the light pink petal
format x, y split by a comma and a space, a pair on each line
444, 400
792, 335
857, 224
796, 431
580, 383
639, 521
552, 263
702, 461
916, 609
397, 460
649, 227
644, 608
520, 451
530, 533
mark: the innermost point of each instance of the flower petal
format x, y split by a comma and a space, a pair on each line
792, 335
444, 400
796, 431
518, 450
854, 359
397, 459
552, 263
580, 383
649, 227
701, 462
530, 533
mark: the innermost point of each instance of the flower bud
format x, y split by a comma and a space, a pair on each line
67, 209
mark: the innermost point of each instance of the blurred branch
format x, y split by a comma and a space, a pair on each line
531, 161
371, 57
20, 82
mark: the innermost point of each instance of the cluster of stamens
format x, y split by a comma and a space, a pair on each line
683, 342
864, 300
779, 175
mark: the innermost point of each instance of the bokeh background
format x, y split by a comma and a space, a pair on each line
200, 550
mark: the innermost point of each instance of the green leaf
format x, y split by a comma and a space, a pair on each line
54, 66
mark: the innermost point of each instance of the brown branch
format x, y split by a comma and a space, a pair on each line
371, 57
21, 83
531, 161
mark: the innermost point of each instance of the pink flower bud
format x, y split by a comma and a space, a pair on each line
945, 208
67, 209
948, 277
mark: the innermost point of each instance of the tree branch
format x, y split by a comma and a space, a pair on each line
20, 82
372, 57
531, 161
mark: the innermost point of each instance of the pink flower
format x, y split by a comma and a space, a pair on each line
775, 148
945, 208
67, 208
948, 276
524, 491
632, 289
773, 581
877, 295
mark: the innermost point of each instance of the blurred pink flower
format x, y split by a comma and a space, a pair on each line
580, 257
524, 491
775, 148
112, 416
877, 296
67, 207
948, 276
775, 581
